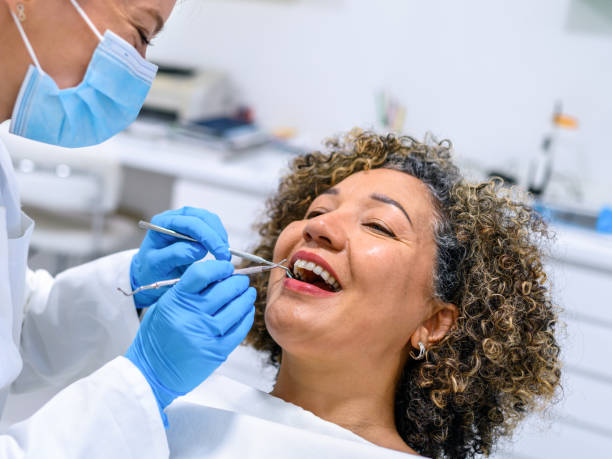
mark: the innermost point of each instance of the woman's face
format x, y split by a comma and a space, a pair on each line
64, 43
373, 233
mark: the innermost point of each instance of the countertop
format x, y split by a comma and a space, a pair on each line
256, 171
582, 247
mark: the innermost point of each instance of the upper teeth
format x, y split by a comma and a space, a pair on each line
318, 270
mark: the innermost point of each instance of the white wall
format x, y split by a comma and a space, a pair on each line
484, 73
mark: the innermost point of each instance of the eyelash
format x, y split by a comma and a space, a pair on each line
382, 229
144, 38
374, 226
313, 214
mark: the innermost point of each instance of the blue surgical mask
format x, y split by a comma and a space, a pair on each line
106, 102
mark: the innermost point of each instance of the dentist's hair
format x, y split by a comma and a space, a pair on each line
500, 359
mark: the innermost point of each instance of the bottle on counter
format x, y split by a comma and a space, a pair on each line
542, 166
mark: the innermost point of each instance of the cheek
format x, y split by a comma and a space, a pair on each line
288, 239
382, 268
286, 242
67, 66
166, 8
396, 283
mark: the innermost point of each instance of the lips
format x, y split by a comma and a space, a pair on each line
307, 288
310, 256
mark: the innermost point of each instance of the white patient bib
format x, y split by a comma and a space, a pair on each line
223, 418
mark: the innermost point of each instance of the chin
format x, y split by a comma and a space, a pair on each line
281, 316
290, 322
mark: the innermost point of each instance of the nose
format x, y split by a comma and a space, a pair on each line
326, 231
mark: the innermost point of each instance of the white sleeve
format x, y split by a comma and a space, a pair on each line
110, 414
75, 323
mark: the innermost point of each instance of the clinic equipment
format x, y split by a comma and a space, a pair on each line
541, 168
239, 253
155, 285
187, 95
265, 266
106, 102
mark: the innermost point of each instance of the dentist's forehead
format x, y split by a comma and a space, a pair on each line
154, 11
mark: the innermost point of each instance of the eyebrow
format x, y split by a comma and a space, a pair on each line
377, 197
393, 202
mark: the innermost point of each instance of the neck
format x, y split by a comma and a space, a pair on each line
15, 62
357, 397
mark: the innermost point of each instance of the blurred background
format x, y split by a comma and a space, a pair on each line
522, 89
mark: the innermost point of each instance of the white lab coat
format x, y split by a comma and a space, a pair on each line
54, 331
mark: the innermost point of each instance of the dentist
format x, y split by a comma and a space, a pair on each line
74, 74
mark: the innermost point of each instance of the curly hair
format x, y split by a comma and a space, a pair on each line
500, 360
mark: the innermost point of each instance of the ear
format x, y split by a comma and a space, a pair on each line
434, 328
12, 6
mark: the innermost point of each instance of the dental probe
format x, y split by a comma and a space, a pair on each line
160, 284
238, 253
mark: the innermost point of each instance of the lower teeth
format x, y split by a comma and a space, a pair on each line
317, 283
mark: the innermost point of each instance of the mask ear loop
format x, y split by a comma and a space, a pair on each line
26, 42
91, 25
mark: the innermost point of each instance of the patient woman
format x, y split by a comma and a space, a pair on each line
418, 319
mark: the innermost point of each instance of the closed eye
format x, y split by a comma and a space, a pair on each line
313, 214
381, 229
143, 38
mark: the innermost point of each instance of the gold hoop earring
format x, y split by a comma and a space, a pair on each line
21, 12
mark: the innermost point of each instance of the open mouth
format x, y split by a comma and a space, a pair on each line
314, 274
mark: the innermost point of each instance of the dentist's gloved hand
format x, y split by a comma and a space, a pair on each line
192, 329
163, 257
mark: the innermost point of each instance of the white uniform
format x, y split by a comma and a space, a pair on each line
54, 331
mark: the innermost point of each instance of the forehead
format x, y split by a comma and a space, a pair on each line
402, 186
163, 8
409, 191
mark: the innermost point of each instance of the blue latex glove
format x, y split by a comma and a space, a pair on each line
192, 329
163, 257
